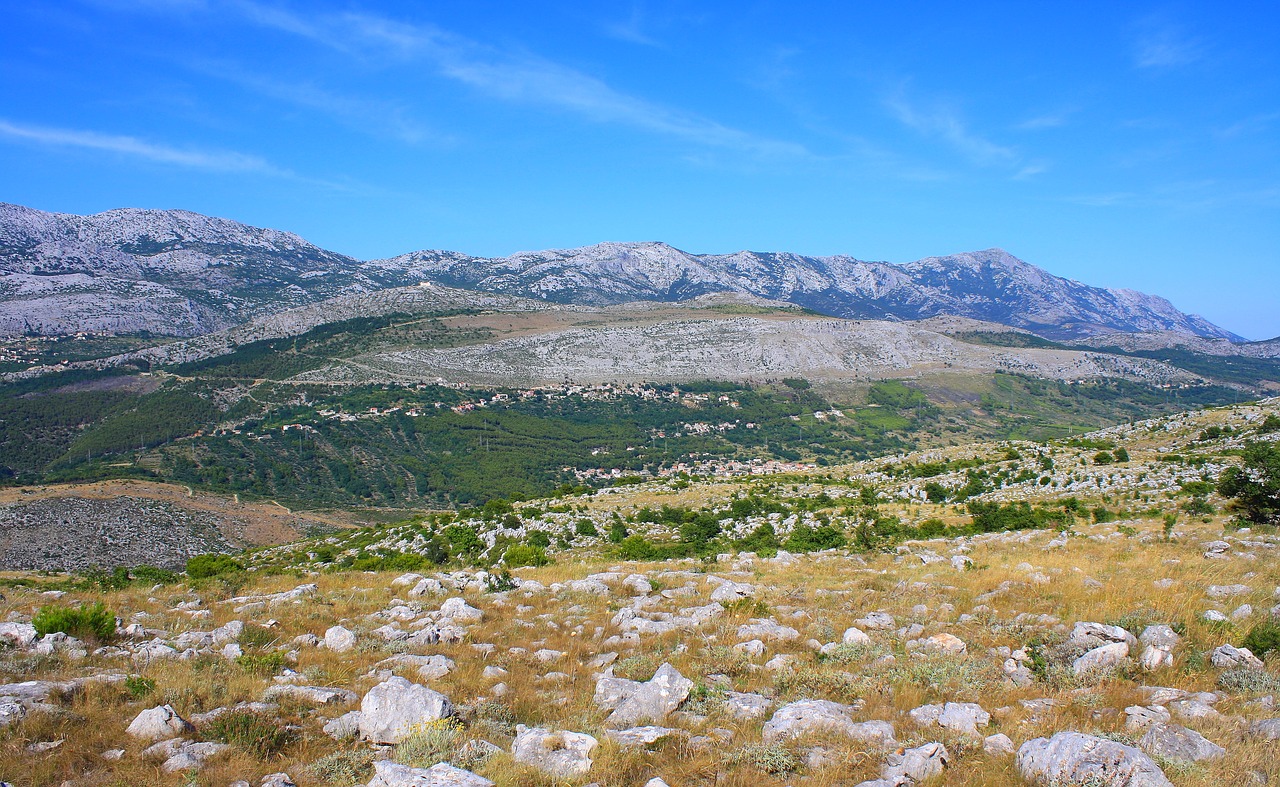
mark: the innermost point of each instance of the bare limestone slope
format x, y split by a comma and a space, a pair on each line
736, 348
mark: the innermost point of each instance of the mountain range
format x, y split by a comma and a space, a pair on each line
180, 274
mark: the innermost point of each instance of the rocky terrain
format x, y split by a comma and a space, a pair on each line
170, 273
73, 527
737, 348
176, 273
990, 285
1112, 644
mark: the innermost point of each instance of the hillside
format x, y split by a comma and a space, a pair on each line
440, 397
164, 272
1005, 613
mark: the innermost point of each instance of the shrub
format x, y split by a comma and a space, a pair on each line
812, 539
1269, 424
1103, 458
90, 622
774, 759
636, 548
205, 566
139, 687
344, 767
429, 743
1263, 638
262, 663
585, 527
518, 555
1248, 681
1256, 485
153, 575
256, 733
618, 532
500, 582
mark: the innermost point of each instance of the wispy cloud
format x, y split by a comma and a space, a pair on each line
943, 123
631, 29
1047, 120
1189, 195
1160, 44
220, 161
377, 118
513, 77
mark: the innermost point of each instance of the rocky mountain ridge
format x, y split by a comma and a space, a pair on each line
990, 285
176, 273
169, 272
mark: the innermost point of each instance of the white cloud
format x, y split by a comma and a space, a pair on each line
1160, 44
942, 123
514, 77
221, 161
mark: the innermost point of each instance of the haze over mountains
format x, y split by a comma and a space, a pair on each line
177, 273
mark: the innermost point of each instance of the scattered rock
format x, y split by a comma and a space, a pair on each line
159, 723
392, 707
563, 754
823, 716
1073, 759
1175, 742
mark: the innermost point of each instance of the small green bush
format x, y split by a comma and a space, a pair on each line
256, 733
139, 687
1263, 638
636, 547
205, 566
90, 622
518, 555
262, 663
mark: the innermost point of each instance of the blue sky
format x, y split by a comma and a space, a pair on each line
1120, 144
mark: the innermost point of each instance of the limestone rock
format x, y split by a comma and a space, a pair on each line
1228, 656
562, 754
392, 774
651, 700
962, 717
1105, 657
339, 639
1073, 759
1175, 742
309, 695
393, 707
159, 723
822, 716
947, 644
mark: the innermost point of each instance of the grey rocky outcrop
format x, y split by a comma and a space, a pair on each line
1175, 742
652, 700
159, 723
1073, 759
563, 754
823, 716
392, 774
390, 710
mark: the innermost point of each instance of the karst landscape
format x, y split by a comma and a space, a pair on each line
419, 534
646, 394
